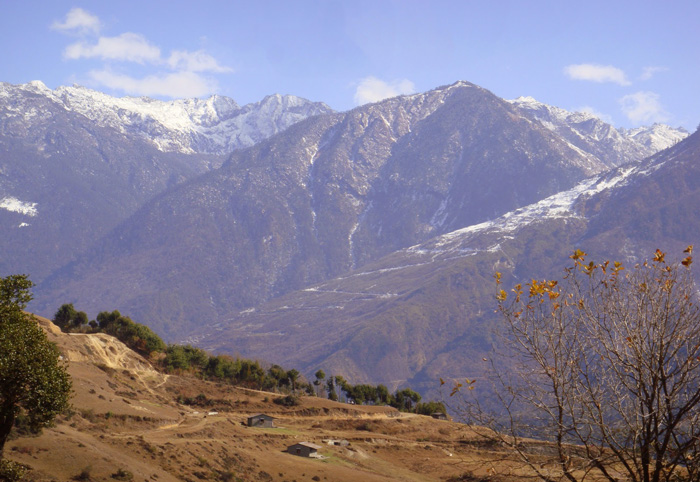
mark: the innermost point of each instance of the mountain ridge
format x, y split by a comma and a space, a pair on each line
430, 306
253, 245
329, 194
615, 146
216, 125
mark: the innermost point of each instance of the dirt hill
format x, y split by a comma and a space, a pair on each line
130, 422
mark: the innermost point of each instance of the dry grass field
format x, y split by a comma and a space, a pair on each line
127, 424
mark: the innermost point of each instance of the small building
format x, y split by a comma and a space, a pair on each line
304, 449
439, 416
261, 420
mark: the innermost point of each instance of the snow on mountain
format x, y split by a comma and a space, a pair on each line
560, 205
16, 206
216, 125
658, 136
588, 132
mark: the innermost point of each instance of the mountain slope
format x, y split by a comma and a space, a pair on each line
128, 418
65, 182
75, 162
217, 125
613, 146
329, 194
427, 311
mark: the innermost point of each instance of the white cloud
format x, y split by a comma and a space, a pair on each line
649, 72
175, 84
78, 21
177, 76
643, 107
198, 61
128, 46
372, 89
596, 73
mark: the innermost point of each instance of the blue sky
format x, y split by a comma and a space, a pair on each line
630, 62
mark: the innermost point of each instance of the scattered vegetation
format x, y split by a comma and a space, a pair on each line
189, 360
136, 336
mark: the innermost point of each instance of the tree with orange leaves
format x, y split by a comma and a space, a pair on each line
605, 365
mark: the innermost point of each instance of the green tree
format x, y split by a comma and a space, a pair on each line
68, 319
80, 320
330, 388
64, 315
383, 395
320, 376
293, 376
405, 399
429, 408
33, 380
176, 358
136, 336
340, 384
277, 377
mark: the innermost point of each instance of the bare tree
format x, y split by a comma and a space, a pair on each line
605, 366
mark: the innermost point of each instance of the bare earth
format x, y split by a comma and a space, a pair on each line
126, 416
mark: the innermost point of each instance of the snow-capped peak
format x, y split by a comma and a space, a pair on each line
215, 125
658, 136
38, 85
588, 132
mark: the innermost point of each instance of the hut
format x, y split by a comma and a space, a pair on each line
261, 420
304, 449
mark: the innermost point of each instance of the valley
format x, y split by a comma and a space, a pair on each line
362, 243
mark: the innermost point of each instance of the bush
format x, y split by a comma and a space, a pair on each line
136, 336
288, 401
429, 408
11, 471
122, 474
468, 477
23, 427
85, 474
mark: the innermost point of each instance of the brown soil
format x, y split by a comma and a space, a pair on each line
126, 417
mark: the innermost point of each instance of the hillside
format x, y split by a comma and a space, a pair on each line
74, 162
426, 311
326, 244
126, 417
328, 195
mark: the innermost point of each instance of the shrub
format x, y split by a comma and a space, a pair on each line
84, 474
122, 474
428, 408
11, 471
288, 401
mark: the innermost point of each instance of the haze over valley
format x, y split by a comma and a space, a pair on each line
356, 219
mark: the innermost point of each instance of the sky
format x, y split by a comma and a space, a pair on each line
631, 63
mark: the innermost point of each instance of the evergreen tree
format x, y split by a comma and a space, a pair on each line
33, 380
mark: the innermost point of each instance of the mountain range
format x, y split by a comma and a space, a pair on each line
427, 311
361, 242
75, 162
